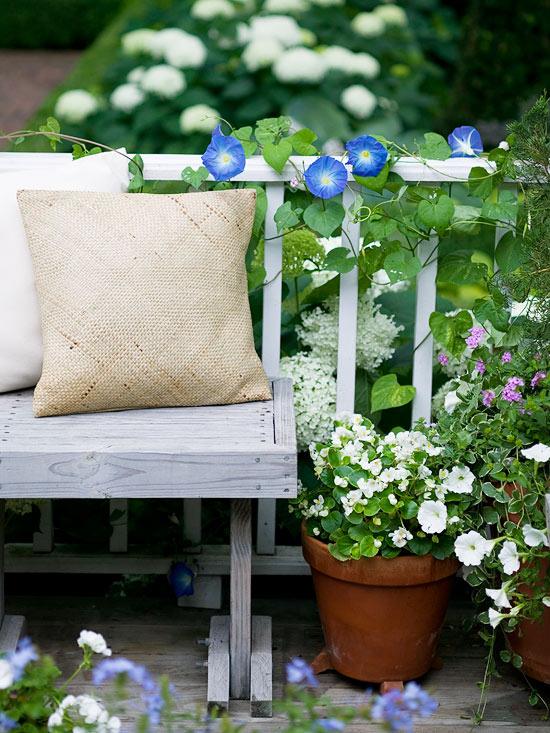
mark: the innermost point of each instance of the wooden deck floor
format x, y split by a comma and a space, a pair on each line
157, 633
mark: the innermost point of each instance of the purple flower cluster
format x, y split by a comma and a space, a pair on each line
333, 725
6, 723
23, 655
487, 397
443, 359
298, 672
537, 377
398, 710
477, 334
506, 358
510, 391
480, 366
109, 669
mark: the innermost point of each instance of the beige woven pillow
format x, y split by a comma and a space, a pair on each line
143, 299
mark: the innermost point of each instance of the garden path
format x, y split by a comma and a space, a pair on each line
157, 633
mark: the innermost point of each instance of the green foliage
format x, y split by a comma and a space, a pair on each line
387, 393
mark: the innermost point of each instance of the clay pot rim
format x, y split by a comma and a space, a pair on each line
404, 570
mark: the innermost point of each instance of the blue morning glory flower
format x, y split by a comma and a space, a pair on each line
6, 723
224, 158
367, 155
326, 177
181, 579
298, 672
465, 142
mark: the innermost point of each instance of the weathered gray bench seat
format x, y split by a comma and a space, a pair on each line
238, 452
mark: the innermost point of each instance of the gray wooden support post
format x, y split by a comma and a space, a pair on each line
42, 540
2, 540
118, 519
11, 627
240, 602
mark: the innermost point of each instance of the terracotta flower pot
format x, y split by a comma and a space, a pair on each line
381, 618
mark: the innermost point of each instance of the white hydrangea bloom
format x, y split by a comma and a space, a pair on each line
261, 52
210, 9
163, 80
308, 38
286, 6
126, 97
344, 60
299, 64
376, 333
187, 52
381, 284
368, 25
199, 118
391, 14
163, 39
136, 75
314, 396
138, 41
358, 101
75, 105
328, 3
280, 27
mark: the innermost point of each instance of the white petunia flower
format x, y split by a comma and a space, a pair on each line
498, 595
358, 101
368, 25
509, 557
261, 52
534, 537
6, 674
538, 452
471, 548
94, 641
391, 14
75, 105
210, 9
126, 97
451, 401
503, 145
164, 81
138, 41
495, 617
299, 64
432, 517
460, 480
186, 52
546, 601
199, 118
400, 536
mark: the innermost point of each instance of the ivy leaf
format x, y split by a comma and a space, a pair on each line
459, 269
436, 213
302, 141
194, 177
286, 217
485, 310
434, 147
402, 265
324, 219
387, 393
277, 154
243, 135
481, 182
339, 259
504, 210
510, 253
375, 183
449, 331
380, 227
466, 219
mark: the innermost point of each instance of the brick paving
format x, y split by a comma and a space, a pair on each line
26, 78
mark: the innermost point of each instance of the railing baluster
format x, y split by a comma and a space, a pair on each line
423, 340
347, 316
192, 520
42, 540
118, 542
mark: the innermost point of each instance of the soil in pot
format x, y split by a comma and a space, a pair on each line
381, 617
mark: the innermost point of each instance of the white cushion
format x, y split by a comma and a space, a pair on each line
20, 333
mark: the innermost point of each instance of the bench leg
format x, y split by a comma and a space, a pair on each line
42, 540
11, 627
240, 621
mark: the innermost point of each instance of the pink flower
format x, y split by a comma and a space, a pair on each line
443, 359
480, 366
488, 397
294, 182
510, 392
537, 377
506, 357
477, 334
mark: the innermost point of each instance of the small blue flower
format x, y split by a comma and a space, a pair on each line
298, 672
326, 177
109, 669
6, 723
23, 655
366, 155
332, 725
224, 158
181, 579
398, 710
465, 142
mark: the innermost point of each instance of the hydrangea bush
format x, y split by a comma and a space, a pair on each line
330, 63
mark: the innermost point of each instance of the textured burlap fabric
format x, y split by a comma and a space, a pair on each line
143, 299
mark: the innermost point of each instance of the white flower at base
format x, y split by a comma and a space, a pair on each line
187, 52
199, 118
76, 105
280, 27
538, 452
391, 14
126, 97
6, 674
451, 401
81, 713
460, 480
509, 557
471, 548
209, 9
163, 80
94, 641
299, 64
499, 597
261, 52
400, 536
368, 25
358, 101
495, 617
432, 516
534, 537
138, 41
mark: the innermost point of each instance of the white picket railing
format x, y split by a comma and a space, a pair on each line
269, 559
